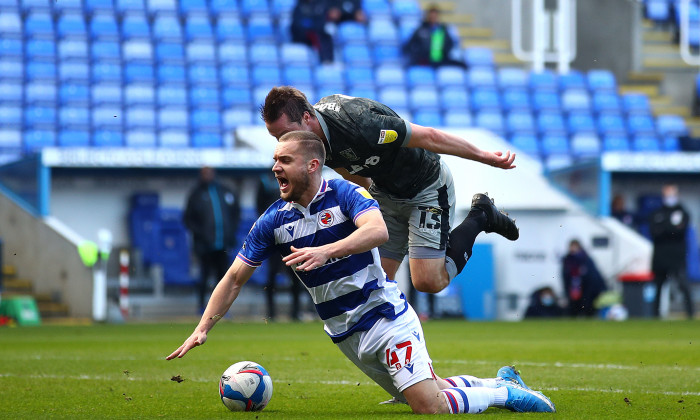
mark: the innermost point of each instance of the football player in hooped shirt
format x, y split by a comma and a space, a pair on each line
365, 140
328, 231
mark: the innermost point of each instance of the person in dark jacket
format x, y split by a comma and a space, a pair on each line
543, 304
668, 226
309, 18
212, 216
431, 43
582, 280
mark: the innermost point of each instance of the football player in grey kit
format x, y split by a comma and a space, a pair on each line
397, 161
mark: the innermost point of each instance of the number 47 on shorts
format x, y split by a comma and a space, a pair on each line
392, 359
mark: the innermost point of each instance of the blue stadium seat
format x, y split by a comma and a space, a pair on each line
543, 81
382, 31
387, 54
202, 74
33, 5
420, 76
205, 119
357, 55
454, 98
188, 7
641, 124
581, 122
390, 75
137, 50
394, 97
363, 92
37, 70
281, 8
167, 52
601, 80
198, 27
554, 145
261, 29
204, 96
140, 138
107, 117
234, 75
144, 223
221, 8
205, 139
167, 28
491, 120
107, 138
546, 100
35, 140
424, 98
512, 77
645, 143
68, 6
104, 26
448, 76
268, 75
615, 143
360, 77
559, 161
485, 99
73, 49
173, 139
329, 76
606, 102
11, 68
671, 126
574, 79
10, 92
41, 48
252, 8
481, 77
612, 124
296, 75
428, 118
106, 94
236, 96
670, 144
658, 11
377, 8
11, 47
138, 72
351, 32
295, 53
263, 53
135, 25
520, 122
527, 143
97, 6
406, 9
71, 25
156, 7
230, 28
585, 145
478, 57
238, 116
139, 94
40, 92
140, 117
74, 117
123, 6
233, 52
171, 95
11, 115
10, 140
39, 24
171, 74
10, 24
455, 118
636, 103
574, 100
407, 27
74, 138
171, 117
105, 50
515, 99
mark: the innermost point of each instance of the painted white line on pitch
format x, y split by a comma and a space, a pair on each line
604, 366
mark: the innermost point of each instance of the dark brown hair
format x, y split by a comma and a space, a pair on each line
310, 144
285, 100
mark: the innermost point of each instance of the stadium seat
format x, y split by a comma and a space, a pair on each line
512, 77
137, 50
606, 102
377, 8
104, 26
428, 118
138, 117
394, 97
382, 31
170, 53
263, 53
574, 79
485, 99
351, 33
268, 75
106, 94
205, 119
420, 76
527, 143
35, 140
253, 8
543, 81
204, 96
73, 49
232, 52
11, 48
10, 24
478, 57
170, 118
636, 103
357, 55
329, 76
10, 115
641, 124
156, 7
73, 138
601, 80
481, 77
297, 75
123, 6
173, 139
424, 98
670, 144
40, 116
281, 8
585, 145
515, 99
230, 28
11, 69
236, 96
39, 24
658, 11
107, 117
363, 92
71, 25
139, 94
224, 8
389, 75
105, 51
41, 48
38, 70
448, 76
205, 140
612, 124
138, 72
261, 29
671, 126
11, 92
645, 143
40, 92
453, 98
171, 74
407, 27
202, 74
546, 100
97, 6
556, 162
135, 25
167, 28
406, 9
234, 75
238, 116
140, 138
454, 118
172, 249
188, 7
491, 120
10, 140
107, 138
581, 122
198, 27
295, 53
201, 52
615, 143
360, 77
170, 94
74, 117
574, 100
520, 122
554, 145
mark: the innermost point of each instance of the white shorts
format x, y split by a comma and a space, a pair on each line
392, 353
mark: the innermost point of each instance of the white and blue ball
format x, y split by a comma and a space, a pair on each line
245, 386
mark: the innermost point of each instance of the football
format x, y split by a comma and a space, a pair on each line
245, 386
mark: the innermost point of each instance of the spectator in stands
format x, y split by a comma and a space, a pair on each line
268, 193
543, 304
431, 43
668, 226
620, 212
340, 11
212, 216
309, 19
582, 281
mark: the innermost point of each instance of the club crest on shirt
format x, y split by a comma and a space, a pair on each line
349, 154
387, 136
325, 218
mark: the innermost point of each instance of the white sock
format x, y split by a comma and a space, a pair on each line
472, 381
462, 400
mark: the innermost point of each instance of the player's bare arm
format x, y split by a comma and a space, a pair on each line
359, 180
371, 232
221, 300
439, 141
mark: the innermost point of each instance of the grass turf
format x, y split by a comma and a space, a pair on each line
590, 369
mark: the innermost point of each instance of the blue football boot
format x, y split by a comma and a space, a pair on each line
510, 374
527, 401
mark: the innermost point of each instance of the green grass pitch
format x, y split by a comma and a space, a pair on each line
590, 369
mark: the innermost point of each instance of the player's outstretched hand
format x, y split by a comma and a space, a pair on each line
305, 259
196, 339
500, 160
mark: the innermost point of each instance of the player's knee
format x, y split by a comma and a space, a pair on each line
428, 285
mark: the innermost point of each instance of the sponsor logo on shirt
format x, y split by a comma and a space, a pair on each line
363, 192
387, 136
349, 154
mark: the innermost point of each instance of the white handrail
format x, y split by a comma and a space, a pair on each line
687, 56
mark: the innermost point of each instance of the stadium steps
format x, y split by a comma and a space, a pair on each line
49, 308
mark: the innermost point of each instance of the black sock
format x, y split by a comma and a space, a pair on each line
461, 240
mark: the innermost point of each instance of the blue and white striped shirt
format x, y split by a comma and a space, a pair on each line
350, 293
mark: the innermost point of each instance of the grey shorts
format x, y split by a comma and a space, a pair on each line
418, 226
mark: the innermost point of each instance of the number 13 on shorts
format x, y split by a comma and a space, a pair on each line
392, 358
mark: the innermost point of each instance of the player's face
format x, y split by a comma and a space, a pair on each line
283, 126
291, 171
